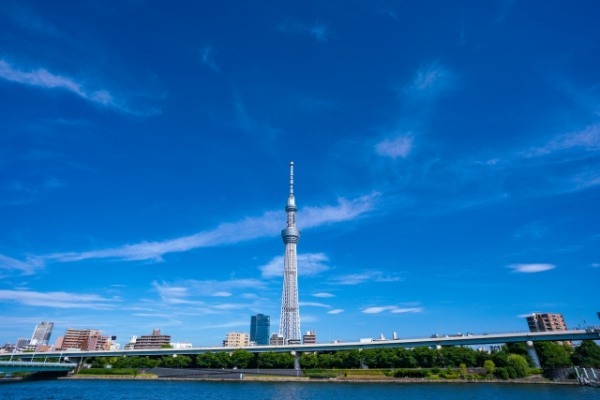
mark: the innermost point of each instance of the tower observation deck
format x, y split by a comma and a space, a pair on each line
289, 325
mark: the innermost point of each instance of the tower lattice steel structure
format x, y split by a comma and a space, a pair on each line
289, 325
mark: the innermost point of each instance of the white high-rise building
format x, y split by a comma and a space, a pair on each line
289, 325
41, 334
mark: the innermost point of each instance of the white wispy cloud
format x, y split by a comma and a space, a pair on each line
27, 267
531, 231
180, 292
222, 294
391, 309
269, 224
58, 299
587, 139
395, 147
323, 295
345, 210
208, 58
335, 311
406, 310
429, 81
174, 295
308, 265
44, 79
318, 31
531, 268
313, 304
233, 324
367, 276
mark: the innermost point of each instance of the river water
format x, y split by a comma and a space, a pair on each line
201, 390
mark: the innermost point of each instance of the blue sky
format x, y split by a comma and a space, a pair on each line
447, 165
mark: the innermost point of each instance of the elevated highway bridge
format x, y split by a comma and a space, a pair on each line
462, 340
10, 367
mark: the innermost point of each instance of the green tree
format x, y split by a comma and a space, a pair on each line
425, 357
519, 363
554, 355
122, 362
175, 361
500, 358
143, 362
242, 359
271, 359
309, 360
516, 348
214, 360
369, 357
489, 366
348, 358
463, 370
456, 355
405, 358
205, 360
481, 357
587, 354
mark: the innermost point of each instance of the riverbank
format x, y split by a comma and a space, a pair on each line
534, 380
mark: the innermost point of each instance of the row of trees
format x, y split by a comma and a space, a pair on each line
552, 355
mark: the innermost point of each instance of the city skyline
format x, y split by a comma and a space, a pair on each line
447, 160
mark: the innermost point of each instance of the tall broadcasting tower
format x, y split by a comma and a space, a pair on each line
289, 326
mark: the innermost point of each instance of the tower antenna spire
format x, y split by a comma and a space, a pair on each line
291, 178
289, 325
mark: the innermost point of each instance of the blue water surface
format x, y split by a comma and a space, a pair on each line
199, 390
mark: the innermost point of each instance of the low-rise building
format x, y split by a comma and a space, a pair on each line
236, 339
83, 339
154, 341
310, 337
546, 322
277, 340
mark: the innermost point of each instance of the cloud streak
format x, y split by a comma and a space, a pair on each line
317, 31
397, 147
269, 224
392, 309
368, 276
27, 267
308, 265
44, 79
208, 58
429, 81
531, 268
587, 139
57, 299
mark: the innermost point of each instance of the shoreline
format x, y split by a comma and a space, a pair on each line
266, 378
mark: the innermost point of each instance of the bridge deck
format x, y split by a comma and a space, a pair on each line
29, 366
465, 340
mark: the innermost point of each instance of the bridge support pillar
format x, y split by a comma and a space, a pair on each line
296, 362
533, 354
78, 361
